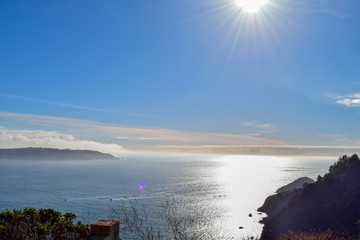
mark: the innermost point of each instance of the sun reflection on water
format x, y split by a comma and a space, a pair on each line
246, 181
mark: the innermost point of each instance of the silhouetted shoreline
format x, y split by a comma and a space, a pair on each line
52, 154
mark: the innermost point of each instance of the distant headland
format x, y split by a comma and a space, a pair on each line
52, 154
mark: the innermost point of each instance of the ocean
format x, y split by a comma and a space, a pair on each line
222, 191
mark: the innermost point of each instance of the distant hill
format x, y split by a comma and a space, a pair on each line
52, 154
332, 202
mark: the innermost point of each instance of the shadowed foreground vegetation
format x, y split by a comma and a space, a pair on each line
332, 202
327, 235
42, 224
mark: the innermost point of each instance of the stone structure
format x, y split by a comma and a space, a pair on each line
104, 230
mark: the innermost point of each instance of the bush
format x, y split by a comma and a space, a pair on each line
42, 224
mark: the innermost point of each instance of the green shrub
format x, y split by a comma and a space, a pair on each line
42, 224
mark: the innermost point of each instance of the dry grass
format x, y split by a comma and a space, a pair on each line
328, 235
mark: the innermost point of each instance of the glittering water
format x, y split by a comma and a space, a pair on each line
221, 190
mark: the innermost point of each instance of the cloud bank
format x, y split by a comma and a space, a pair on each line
51, 139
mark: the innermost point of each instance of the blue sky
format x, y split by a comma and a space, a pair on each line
181, 75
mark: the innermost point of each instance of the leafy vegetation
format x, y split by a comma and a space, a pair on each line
42, 224
332, 202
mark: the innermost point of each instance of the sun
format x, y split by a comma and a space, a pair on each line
251, 5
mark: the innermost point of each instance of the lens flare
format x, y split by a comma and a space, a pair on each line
141, 187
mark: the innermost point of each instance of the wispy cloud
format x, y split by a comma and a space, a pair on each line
257, 125
260, 128
68, 105
254, 134
333, 8
335, 13
137, 136
282, 150
154, 139
342, 139
349, 100
54, 139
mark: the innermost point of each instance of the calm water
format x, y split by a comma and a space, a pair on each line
222, 190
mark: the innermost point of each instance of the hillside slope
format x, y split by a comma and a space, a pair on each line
332, 202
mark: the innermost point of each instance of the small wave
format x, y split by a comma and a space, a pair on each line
87, 198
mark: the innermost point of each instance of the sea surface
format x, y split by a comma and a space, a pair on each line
220, 190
